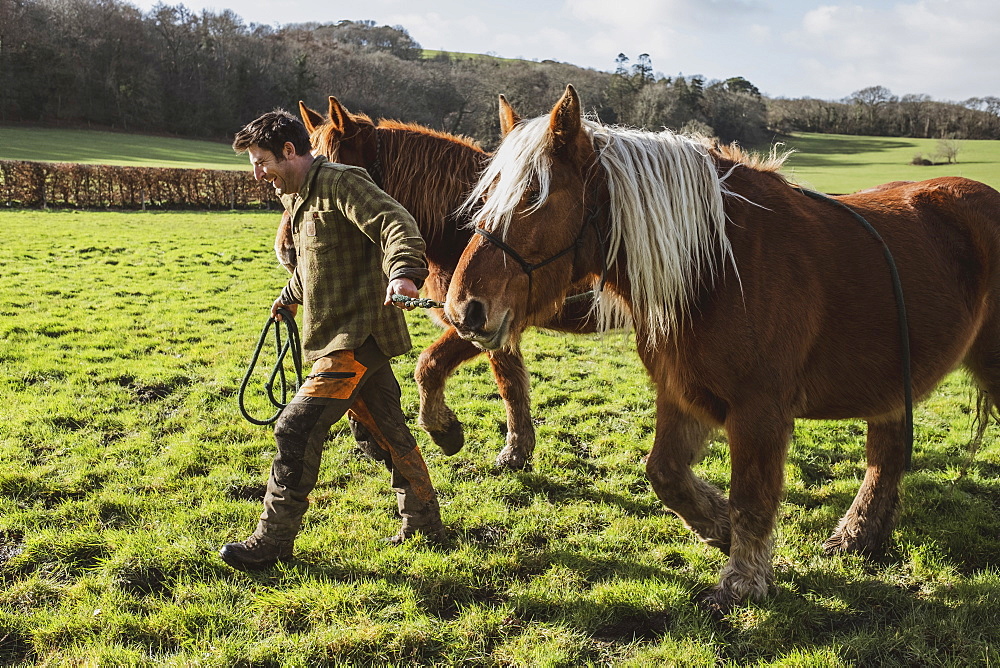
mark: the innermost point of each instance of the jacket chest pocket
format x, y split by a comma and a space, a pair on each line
318, 231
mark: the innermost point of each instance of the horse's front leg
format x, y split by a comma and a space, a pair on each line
434, 366
758, 443
869, 521
515, 389
679, 443
284, 244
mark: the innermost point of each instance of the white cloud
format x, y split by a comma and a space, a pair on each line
449, 33
676, 13
906, 47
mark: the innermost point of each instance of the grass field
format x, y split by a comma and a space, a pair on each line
844, 163
126, 465
114, 148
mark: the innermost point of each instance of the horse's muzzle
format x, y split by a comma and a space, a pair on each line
471, 321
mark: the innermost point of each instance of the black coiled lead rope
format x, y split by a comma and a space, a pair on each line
293, 346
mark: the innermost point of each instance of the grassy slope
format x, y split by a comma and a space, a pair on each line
114, 148
125, 466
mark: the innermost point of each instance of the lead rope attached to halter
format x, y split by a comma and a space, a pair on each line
904, 330
291, 345
417, 302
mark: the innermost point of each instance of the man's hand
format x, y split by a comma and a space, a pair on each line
401, 286
292, 308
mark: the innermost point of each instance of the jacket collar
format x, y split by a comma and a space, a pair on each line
298, 198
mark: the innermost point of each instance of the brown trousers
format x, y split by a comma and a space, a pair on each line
358, 382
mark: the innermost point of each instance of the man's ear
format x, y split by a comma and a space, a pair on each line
288, 151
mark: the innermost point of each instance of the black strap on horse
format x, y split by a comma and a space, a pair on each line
904, 330
375, 169
291, 345
529, 267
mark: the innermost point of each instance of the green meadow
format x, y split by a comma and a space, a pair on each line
844, 163
102, 147
125, 465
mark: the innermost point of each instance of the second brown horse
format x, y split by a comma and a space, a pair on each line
430, 173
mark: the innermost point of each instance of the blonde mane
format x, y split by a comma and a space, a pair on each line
666, 213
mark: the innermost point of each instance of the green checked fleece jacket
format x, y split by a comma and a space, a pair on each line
351, 239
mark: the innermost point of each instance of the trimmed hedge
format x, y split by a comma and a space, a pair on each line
68, 185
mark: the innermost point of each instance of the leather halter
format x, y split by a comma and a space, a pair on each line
529, 267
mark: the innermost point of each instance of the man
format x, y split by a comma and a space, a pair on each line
354, 245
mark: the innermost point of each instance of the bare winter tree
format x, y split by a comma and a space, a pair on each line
947, 149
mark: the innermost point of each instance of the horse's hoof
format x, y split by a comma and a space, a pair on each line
717, 602
513, 461
451, 439
873, 549
835, 545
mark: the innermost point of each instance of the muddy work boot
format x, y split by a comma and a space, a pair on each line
418, 517
256, 553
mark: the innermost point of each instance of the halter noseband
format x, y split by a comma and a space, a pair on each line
525, 265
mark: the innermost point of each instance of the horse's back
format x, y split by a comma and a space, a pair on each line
813, 316
951, 220
943, 236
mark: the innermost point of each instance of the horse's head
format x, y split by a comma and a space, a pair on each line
342, 136
539, 195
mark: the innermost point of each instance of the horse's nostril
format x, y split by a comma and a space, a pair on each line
475, 315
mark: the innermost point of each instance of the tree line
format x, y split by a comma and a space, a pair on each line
170, 70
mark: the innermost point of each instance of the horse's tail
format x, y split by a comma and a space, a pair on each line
986, 410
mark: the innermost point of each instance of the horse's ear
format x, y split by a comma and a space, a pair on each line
341, 118
565, 120
508, 117
310, 118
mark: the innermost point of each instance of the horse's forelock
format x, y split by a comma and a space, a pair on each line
522, 162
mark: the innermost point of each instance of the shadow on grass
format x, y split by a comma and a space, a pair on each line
871, 622
824, 146
527, 487
819, 152
445, 597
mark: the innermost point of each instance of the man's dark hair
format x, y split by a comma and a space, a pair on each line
271, 131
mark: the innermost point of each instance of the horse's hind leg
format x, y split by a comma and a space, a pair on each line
870, 520
512, 381
983, 361
434, 366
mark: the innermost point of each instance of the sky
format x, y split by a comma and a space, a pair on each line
947, 49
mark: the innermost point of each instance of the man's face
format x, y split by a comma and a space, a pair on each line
267, 167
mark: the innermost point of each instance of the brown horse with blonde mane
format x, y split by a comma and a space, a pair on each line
752, 304
430, 173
